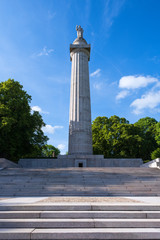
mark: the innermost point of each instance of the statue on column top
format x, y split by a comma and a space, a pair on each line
79, 31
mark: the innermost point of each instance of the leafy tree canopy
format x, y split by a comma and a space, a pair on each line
155, 154
20, 130
115, 137
157, 136
49, 151
147, 130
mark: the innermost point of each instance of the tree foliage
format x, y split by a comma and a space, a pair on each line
155, 154
20, 130
147, 131
114, 137
48, 150
157, 136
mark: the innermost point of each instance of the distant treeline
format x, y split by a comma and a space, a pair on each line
115, 137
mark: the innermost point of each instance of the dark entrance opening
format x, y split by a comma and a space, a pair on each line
80, 164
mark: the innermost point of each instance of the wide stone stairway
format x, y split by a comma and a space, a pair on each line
80, 182
88, 203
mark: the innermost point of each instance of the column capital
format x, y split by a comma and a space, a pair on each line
80, 48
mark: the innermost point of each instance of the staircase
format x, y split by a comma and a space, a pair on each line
121, 209
80, 182
79, 221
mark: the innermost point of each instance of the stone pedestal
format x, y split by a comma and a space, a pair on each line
80, 160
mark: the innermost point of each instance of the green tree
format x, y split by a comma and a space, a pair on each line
115, 137
20, 131
156, 152
147, 131
48, 150
157, 135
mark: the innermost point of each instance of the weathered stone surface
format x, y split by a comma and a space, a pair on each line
117, 218
19, 214
152, 164
5, 163
101, 233
48, 223
80, 182
80, 133
66, 161
79, 223
15, 233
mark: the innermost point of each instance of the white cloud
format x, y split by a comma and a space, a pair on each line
38, 109
157, 85
111, 11
61, 147
122, 94
50, 129
134, 82
96, 73
97, 86
149, 100
45, 52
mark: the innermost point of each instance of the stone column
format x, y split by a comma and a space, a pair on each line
80, 133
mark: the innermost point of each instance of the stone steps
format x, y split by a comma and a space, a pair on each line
30, 217
80, 182
80, 207
80, 214
79, 221
79, 233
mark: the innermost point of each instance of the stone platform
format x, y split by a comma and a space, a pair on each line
76, 160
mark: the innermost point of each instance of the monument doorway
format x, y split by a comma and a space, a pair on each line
80, 163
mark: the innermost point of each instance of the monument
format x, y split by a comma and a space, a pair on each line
80, 153
80, 132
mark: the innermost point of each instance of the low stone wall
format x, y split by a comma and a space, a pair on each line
5, 163
152, 164
41, 163
121, 162
65, 161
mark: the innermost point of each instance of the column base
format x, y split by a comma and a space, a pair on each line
82, 160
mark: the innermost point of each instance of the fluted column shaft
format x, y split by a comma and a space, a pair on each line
80, 134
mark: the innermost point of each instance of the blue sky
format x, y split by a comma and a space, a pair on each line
124, 64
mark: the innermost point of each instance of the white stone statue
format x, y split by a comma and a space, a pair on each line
79, 31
